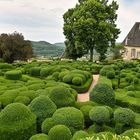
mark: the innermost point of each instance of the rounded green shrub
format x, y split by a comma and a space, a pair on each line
13, 75
74, 119
110, 74
60, 132
124, 116
103, 94
17, 122
80, 135
39, 137
136, 81
123, 75
138, 75
31, 94
47, 124
43, 108
77, 81
62, 74
85, 110
22, 99
99, 114
132, 133
44, 72
35, 71
68, 79
105, 69
130, 88
61, 96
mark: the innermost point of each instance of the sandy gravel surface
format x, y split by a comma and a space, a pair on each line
85, 96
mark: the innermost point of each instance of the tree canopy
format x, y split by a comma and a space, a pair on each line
14, 47
90, 25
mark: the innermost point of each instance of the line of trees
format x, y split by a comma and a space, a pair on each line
15, 47
90, 26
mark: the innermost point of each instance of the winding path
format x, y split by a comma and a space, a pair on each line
85, 96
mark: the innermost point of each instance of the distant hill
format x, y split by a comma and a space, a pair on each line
46, 49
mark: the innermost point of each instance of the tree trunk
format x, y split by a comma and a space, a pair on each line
91, 55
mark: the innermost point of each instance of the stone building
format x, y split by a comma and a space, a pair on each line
132, 43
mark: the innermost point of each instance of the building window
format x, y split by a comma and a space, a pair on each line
133, 53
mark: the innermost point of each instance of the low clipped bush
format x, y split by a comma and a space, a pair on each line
31, 94
68, 79
36, 86
110, 74
85, 110
13, 75
44, 72
35, 71
62, 96
43, 108
74, 119
79, 135
22, 99
39, 137
105, 69
77, 81
130, 88
17, 122
136, 81
60, 132
124, 116
47, 124
99, 115
103, 94
132, 133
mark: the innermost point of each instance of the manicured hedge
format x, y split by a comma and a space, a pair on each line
13, 75
60, 132
17, 122
35, 71
80, 135
62, 96
43, 108
74, 119
39, 137
103, 94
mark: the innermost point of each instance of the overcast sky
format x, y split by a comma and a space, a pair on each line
42, 19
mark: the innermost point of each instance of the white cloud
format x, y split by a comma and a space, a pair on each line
42, 19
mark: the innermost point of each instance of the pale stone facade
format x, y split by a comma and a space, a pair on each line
131, 52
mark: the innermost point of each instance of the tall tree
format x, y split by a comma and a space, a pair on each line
14, 47
92, 24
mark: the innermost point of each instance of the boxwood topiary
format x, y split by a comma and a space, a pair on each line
47, 124
61, 96
103, 94
43, 108
77, 81
110, 74
68, 79
105, 69
17, 122
22, 99
39, 137
60, 132
69, 116
124, 116
99, 115
80, 135
35, 71
13, 75
85, 110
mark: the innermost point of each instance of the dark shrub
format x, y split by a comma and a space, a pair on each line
43, 108
22, 99
124, 116
62, 96
39, 137
47, 124
68, 79
105, 69
136, 81
123, 75
17, 122
110, 74
77, 81
13, 75
129, 78
138, 75
35, 71
60, 132
103, 94
71, 117
80, 135
85, 110
130, 88
99, 114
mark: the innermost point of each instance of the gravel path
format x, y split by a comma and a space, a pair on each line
85, 96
